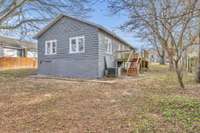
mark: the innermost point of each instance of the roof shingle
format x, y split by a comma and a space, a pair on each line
83, 21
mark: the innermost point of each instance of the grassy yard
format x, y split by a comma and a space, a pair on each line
153, 104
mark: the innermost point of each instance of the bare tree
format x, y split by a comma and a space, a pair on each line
171, 21
27, 16
153, 42
198, 68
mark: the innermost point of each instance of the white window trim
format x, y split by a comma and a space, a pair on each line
51, 46
77, 47
111, 47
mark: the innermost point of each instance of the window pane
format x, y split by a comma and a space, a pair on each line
53, 47
110, 46
80, 45
107, 47
106, 42
73, 45
73, 41
48, 48
119, 46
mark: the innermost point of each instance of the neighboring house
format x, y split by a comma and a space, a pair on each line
154, 56
74, 47
10, 47
192, 55
193, 51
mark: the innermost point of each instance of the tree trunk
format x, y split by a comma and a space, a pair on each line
179, 74
171, 65
162, 58
180, 79
198, 73
198, 68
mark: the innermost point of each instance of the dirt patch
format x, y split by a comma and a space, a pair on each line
29, 104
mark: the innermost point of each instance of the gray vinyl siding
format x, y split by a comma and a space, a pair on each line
89, 64
83, 65
1, 52
110, 58
103, 56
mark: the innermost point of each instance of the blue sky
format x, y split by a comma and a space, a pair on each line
101, 16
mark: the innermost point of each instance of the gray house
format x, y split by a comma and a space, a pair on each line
73, 47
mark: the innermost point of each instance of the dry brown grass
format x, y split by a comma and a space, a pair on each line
51, 105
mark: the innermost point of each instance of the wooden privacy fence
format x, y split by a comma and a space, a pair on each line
17, 63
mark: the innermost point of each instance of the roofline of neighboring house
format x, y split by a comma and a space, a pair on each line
10, 47
15, 43
83, 21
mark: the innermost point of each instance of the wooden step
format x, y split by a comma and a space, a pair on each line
135, 73
132, 72
133, 68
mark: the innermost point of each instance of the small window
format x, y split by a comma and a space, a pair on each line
123, 47
119, 47
108, 46
50, 47
77, 44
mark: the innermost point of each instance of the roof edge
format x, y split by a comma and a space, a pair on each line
83, 21
9, 41
54, 21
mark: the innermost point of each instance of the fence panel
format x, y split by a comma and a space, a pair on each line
17, 63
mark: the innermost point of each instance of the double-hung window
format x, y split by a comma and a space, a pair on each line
119, 47
50, 47
77, 44
108, 43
